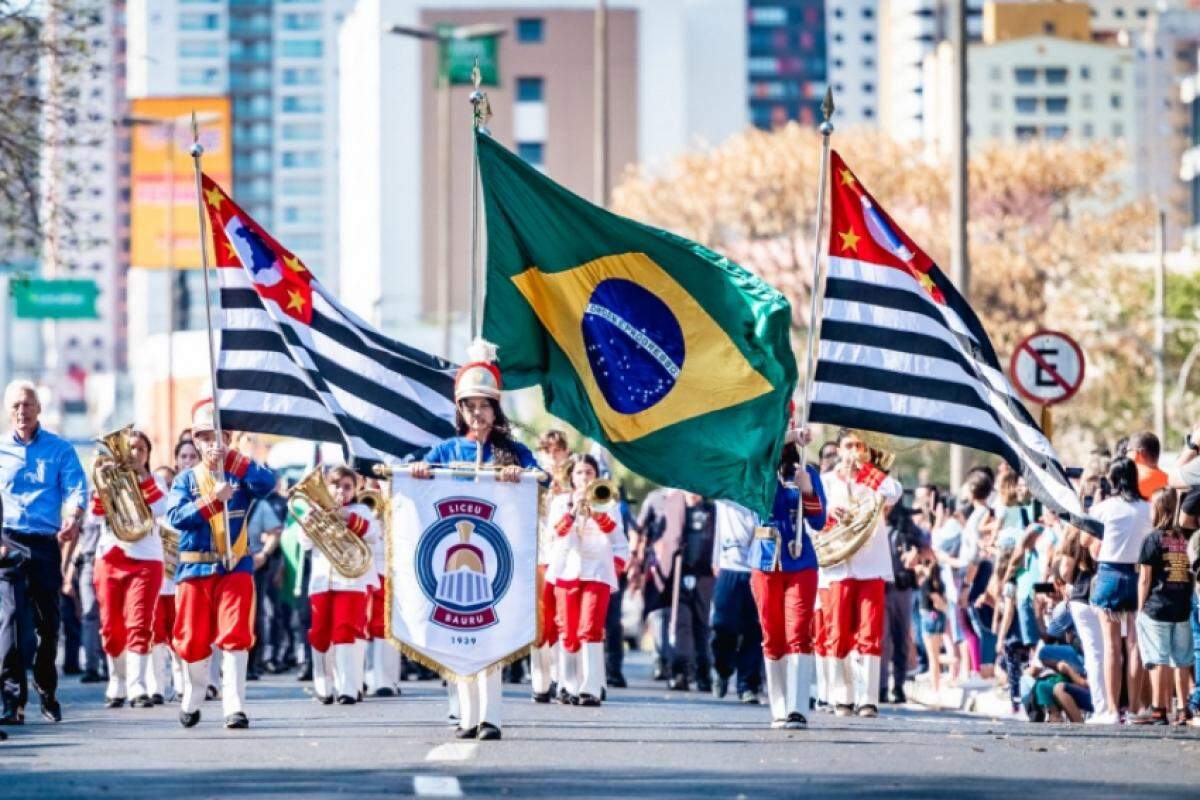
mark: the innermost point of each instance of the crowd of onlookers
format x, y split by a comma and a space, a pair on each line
992, 588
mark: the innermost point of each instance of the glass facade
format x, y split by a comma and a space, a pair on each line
787, 60
250, 84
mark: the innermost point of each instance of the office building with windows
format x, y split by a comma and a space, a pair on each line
787, 65
277, 59
852, 36
668, 91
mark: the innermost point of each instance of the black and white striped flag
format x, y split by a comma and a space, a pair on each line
295, 362
902, 353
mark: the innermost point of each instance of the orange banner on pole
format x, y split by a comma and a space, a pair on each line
163, 224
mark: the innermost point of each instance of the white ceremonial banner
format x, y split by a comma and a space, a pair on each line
462, 569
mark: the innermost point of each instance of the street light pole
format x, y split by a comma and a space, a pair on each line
170, 231
600, 100
1160, 329
960, 265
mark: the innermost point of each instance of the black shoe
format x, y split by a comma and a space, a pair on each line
573, 699
720, 687
141, 701
617, 681
114, 702
305, 674
253, 676
867, 710
13, 717
488, 732
898, 697
843, 710
541, 697
704, 684
384, 691
346, 700
588, 700
72, 670
91, 676
189, 720
157, 699
795, 722
750, 697
51, 709
603, 692
564, 697
3, 736
237, 721
212, 693
678, 683
327, 700
660, 672
466, 733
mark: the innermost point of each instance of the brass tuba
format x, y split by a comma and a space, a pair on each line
117, 483
838, 544
348, 554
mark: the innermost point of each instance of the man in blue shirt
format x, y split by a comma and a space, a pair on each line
43, 488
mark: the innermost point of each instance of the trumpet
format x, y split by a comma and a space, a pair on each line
117, 484
600, 495
379, 505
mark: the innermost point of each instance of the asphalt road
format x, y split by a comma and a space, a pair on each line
645, 742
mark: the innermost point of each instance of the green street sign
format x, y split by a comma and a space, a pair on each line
458, 58
55, 299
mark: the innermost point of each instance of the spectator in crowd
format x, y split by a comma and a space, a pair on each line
1127, 521
828, 456
689, 640
1165, 590
1144, 449
44, 491
186, 455
907, 540
934, 609
646, 572
95, 668
1076, 569
264, 524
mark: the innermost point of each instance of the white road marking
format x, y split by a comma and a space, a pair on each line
452, 751
436, 786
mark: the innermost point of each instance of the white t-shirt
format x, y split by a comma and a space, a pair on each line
874, 560
324, 578
735, 531
149, 547
1126, 525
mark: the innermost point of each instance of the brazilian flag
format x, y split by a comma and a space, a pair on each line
673, 357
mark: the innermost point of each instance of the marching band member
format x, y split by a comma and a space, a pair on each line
163, 661
483, 437
586, 560
546, 652
855, 611
783, 580
385, 659
214, 581
338, 603
128, 576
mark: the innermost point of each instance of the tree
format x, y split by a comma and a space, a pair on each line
1044, 218
43, 45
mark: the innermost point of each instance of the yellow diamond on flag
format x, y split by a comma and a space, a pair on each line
646, 352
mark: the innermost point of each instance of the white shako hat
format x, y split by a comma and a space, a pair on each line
479, 377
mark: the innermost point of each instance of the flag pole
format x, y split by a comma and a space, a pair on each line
480, 114
197, 150
814, 322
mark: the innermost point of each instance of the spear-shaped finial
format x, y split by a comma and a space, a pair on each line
827, 110
197, 149
479, 100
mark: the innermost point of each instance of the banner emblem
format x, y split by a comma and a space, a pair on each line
451, 560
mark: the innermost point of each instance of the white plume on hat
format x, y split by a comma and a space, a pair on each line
481, 350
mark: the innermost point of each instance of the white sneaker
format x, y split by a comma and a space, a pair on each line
1110, 718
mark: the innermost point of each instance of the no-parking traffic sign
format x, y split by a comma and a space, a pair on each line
1047, 367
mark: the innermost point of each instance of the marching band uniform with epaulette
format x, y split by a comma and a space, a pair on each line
854, 615
783, 580
339, 615
128, 576
214, 603
588, 553
385, 659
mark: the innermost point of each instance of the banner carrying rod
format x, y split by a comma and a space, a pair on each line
481, 112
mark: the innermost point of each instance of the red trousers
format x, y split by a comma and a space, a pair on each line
164, 618
215, 609
821, 623
126, 591
377, 612
855, 616
549, 611
337, 618
581, 608
785, 603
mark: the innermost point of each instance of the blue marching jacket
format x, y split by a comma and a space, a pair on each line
195, 516
785, 519
460, 450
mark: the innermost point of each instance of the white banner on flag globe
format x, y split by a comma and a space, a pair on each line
462, 570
